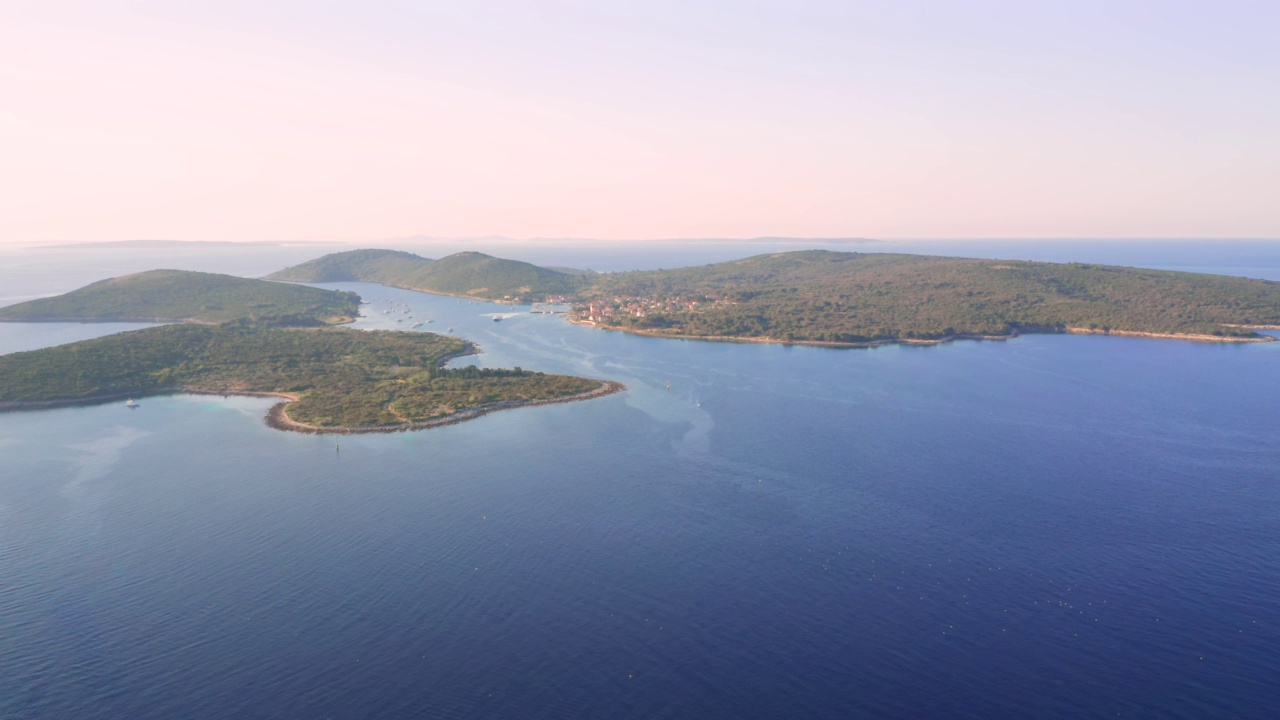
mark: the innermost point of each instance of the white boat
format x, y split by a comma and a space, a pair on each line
131, 404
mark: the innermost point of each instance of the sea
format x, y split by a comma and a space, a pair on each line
1049, 527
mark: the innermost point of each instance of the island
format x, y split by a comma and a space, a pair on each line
185, 296
236, 336
466, 274
821, 297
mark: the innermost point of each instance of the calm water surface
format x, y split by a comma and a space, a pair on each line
1053, 527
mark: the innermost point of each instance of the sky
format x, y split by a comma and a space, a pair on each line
251, 120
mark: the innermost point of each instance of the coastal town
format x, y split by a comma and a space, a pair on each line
621, 307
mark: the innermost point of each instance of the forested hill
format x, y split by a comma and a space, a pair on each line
183, 296
469, 274
376, 266
862, 297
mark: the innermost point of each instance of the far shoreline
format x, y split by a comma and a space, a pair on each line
1193, 337
1070, 330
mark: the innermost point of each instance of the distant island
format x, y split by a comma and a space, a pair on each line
845, 298
465, 274
236, 336
185, 296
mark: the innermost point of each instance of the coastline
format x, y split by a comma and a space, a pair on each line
1194, 337
278, 418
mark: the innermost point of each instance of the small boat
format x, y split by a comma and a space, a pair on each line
497, 318
417, 324
450, 328
131, 404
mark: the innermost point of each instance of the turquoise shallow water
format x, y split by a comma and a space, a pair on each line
1057, 526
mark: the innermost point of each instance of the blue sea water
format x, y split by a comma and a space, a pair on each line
1051, 527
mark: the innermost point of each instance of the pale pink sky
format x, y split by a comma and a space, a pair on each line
260, 120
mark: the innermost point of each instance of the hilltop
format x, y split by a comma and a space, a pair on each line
468, 274
335, 379
185, 296
377, 266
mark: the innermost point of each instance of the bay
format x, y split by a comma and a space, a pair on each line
1055, 526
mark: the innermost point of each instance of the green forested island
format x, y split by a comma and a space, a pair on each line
184, 296
338, 379
848, 298
467, 274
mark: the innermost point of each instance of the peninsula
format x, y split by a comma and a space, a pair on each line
846, 298
241, 336
333, 380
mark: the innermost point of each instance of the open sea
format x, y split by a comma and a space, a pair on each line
1049, 527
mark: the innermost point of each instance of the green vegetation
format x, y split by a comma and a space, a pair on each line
825, 296
822, 296
342, 377
181, 296
469, 274
386, 267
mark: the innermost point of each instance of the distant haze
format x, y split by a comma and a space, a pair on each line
256, 120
